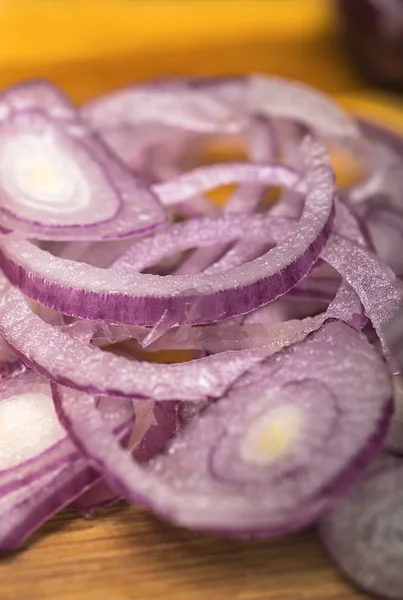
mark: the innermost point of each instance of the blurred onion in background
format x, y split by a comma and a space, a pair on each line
373, 34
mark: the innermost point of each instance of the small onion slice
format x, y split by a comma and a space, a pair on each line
41, 470
363, 532
57, 181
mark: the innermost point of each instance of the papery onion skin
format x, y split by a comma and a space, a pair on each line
148, 437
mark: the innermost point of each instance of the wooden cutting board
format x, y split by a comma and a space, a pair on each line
129, 555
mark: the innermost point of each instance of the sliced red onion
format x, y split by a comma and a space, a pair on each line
154, 424
81, 290
232, 335
380, 292
363, 531
172, 103
221, 105
245, 199
292, 100
67, 360
70, 361
385, 178
24, 511
41, 469
386, 229
149, 149
201, 233
262, 149
32, 441
57, 180
268, 305
206, 178
153, 435
216, 474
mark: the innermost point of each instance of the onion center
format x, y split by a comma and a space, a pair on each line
272, 435
28, 426
35, 172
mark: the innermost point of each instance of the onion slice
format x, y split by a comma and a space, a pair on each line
41, 470
68, 360
217, 472
363, 531
57, 181
221, 105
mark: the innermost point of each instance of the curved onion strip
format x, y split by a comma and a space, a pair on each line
363, 531
220, 483
181, 188
84, 291
202, 232
70, 361
221, 105
380, 292
166, 102
58, 181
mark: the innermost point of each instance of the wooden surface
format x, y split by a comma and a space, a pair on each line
129, 555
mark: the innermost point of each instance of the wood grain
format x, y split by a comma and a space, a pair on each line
129, 555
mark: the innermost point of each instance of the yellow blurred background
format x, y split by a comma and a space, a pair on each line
89, 46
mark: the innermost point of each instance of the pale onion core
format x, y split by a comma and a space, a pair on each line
272, 435
36, 173
28, 426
